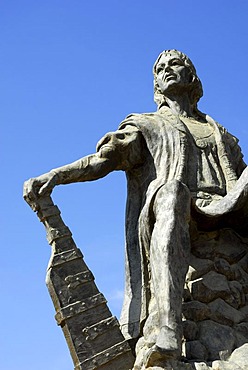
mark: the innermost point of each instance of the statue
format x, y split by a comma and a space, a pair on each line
183, 169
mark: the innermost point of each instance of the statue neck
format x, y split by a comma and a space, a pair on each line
179, 105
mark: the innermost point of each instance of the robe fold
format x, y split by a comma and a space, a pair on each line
165, 152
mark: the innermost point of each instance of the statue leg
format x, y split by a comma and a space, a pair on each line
169, 258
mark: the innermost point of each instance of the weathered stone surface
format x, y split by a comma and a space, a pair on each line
223, 267
204, 246
216, 337
241, 333
186, 294
172, 365
196, 311
225, 365
224, 355
223, 313
240, 357
242, 277
201, 366
209, 287
195, 350
150, 329
243, 263
140, 350
170, 157
190, 330
198, 267
244, 311
237, 296
237, 361
228, 249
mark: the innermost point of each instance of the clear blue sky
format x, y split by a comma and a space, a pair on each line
70, 72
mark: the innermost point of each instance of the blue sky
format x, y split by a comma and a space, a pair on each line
70, 72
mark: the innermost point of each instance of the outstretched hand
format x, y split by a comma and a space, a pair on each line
37, 187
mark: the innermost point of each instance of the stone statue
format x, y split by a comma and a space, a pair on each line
184, 172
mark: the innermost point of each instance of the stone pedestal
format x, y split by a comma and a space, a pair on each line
215, 308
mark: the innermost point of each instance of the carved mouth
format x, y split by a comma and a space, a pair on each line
170, 77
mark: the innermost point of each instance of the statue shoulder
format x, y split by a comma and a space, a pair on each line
229, 138
137, 119
142, 115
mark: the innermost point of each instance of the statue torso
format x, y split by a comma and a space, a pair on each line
204, 172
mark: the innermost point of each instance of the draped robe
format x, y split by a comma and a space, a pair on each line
164, 156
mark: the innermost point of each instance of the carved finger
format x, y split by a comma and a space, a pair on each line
47, 187
44, 189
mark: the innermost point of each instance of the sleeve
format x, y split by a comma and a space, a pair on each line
124, 146
235, 153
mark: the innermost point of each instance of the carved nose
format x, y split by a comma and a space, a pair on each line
120, 136
167, 68
106, 139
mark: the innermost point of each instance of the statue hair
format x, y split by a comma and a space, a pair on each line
195, 87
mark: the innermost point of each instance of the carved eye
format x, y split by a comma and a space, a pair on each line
176, 62
160, 69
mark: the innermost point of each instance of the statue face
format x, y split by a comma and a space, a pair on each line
172, 74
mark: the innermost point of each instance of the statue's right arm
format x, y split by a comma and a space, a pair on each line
119, 150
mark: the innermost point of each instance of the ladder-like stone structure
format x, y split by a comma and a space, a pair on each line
92, 333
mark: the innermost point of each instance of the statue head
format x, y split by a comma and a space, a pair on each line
194, 86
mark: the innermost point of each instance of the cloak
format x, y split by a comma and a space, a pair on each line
165, 156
